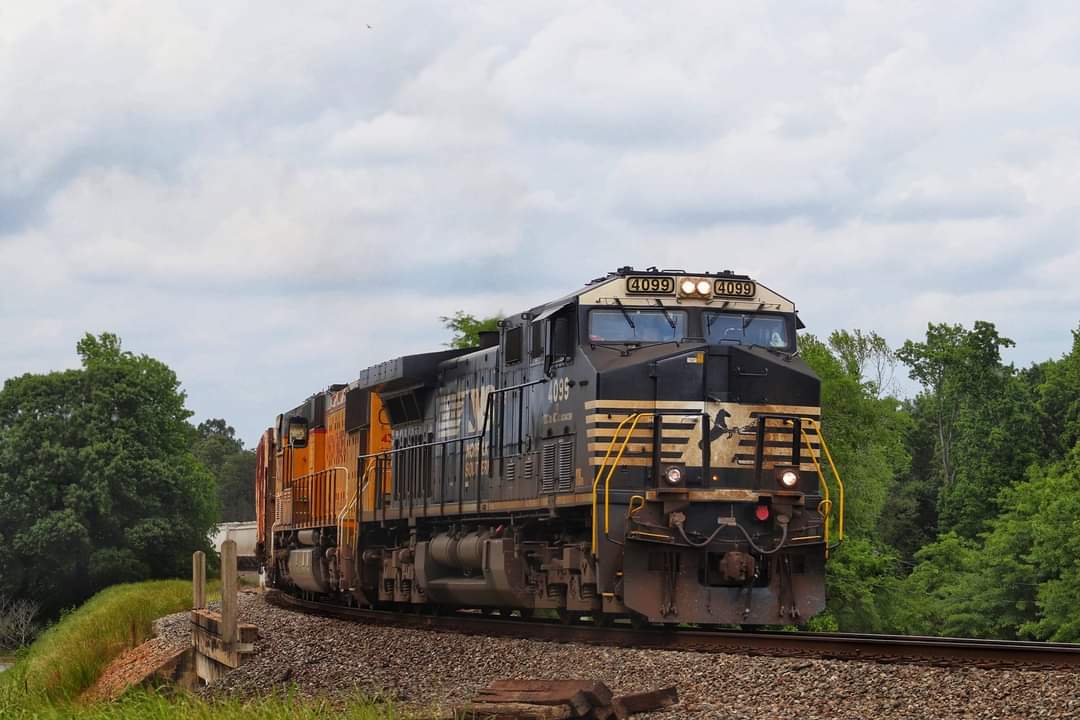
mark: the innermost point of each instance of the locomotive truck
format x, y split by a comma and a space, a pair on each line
646, 447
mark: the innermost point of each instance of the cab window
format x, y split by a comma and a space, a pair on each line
769, 331
636, 325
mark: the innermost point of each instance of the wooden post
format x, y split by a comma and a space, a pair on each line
229, 598
198, 580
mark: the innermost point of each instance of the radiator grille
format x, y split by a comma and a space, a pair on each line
548, 468
566, 464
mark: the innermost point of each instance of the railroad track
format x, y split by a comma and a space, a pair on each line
947, 652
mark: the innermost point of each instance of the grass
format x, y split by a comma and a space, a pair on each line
66, 659
69, 656
140, 704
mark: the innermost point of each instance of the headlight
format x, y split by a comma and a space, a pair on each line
789, 478
673, 475
687, 287
704, 287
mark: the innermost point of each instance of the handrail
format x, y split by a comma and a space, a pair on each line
825, 503
824, 485
307, 484
352, 503
600, 472
836, 474
614, 466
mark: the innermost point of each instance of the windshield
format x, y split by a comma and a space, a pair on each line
636, 325
764, 330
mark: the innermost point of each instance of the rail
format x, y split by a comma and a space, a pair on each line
825, 507
937, 651
383, 461
314, 497
635, 417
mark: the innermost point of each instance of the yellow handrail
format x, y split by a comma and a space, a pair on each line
600, 471
614, 466
839, 481
352, 502
825, 506
825, 488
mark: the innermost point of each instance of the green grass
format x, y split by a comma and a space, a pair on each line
140, 704
47, 678
69, 656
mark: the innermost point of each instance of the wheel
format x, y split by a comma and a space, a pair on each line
639, 622
568, 617
602, 619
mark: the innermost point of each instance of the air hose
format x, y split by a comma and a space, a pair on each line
762, 551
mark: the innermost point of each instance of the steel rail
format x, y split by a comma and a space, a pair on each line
907, 649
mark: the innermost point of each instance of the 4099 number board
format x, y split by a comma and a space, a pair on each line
650, 285
735, 288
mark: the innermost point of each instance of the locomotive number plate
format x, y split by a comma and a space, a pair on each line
735, 288
649, 285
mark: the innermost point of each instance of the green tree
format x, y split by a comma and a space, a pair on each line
982, 416
1057, 388
467, 328
222, 453
98, 484
865, 430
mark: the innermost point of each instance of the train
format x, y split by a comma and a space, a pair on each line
647, 448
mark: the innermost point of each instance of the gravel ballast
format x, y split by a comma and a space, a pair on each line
422, 670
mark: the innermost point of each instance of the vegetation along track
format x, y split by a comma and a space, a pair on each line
947, 652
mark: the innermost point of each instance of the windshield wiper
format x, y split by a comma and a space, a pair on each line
667, 316
625, 314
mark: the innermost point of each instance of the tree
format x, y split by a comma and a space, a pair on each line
981, 412
865, 431
222, 453
18, 624
467, 328
1057, 389
98, 484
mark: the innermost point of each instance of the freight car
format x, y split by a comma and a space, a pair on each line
647, 446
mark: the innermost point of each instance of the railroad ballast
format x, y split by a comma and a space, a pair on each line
647, 446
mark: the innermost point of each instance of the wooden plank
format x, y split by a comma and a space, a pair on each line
597, 692
229, 600
198, 580
626, 705
513, 711
580, 702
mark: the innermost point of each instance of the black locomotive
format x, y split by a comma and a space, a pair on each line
647, 446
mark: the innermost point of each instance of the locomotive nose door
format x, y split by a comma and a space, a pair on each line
680, 393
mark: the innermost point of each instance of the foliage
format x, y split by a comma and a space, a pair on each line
1057, 391
467, 328
222, 453
97, 480
864, 429
981, 412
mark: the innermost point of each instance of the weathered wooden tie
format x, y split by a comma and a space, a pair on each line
559, 700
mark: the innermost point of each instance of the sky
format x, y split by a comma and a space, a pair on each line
271, 196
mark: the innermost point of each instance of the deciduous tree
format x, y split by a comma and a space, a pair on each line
97, 480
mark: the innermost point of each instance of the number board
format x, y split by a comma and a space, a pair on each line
735, 288
650, 285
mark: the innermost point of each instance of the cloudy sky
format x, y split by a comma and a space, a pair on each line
270, 196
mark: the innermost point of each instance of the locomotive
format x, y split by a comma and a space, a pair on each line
645, 447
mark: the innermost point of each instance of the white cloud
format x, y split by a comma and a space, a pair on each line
269, 198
